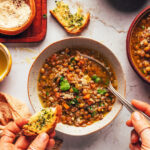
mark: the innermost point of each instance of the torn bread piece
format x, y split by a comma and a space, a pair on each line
43, 121
72, 23
11, 109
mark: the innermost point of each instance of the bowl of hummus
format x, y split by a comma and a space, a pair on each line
16, 16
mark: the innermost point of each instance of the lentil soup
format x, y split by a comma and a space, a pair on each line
140, 46
78, 85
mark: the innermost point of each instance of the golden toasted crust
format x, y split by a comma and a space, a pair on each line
73, 31
49, 128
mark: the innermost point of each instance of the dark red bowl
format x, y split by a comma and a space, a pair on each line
128, 41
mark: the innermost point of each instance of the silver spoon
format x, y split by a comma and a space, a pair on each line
124, 101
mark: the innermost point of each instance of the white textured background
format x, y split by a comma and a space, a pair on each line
110, 20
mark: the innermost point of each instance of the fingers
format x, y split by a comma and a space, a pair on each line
142, 127
141, 106
134, 137
8, 137
12, 129
16, 126
40, 142
51, 144
129, 123
139, 122
135, 146
52, 134
22, 143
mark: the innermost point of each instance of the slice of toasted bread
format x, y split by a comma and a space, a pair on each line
43, 121
72, 23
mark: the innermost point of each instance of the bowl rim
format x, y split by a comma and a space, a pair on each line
129, 34
9, 61
121, 106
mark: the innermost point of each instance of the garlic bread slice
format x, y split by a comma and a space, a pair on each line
43, 121
72, 23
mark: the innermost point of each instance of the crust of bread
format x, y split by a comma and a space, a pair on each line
50, 127
73, 31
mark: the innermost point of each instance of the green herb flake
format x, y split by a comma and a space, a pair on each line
94, 77
72, 59
107, 82
97, 80
47, 93
74, 101
61, 78
143, 71
143, 27
64, 85
94, 113
44, 16
101, 91
90, 107
75, 90
101, 104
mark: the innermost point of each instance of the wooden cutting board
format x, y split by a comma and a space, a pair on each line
36, 32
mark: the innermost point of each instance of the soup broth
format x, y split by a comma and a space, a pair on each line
78, 85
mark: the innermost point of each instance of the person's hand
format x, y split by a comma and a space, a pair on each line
140, 136
7, 141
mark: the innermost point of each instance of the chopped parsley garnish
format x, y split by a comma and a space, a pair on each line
61, 78
90, 107
110, 97
64, 85
44, 16
96, 78
72, 59
143, 27
107, 82
74, 101
47, 93
101, 104
101, 91
143, 71
94, 113
75, 90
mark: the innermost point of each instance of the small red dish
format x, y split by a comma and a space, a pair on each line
36, 32
128, 42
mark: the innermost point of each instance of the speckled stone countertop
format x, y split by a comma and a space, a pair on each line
110, 20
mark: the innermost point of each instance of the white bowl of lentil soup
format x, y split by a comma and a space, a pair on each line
138, 44
61, 76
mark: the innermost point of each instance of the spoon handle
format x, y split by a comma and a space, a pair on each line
129, 106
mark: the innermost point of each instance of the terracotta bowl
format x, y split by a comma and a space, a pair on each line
128, 42
77, 43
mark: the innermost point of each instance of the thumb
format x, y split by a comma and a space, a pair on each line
142, 127
40, 142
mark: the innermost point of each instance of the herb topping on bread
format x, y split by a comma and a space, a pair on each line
72, 23
43, 121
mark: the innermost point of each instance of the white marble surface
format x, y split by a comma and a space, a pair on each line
109, 25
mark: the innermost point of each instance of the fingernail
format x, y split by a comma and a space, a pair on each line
136, 116
43, 137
